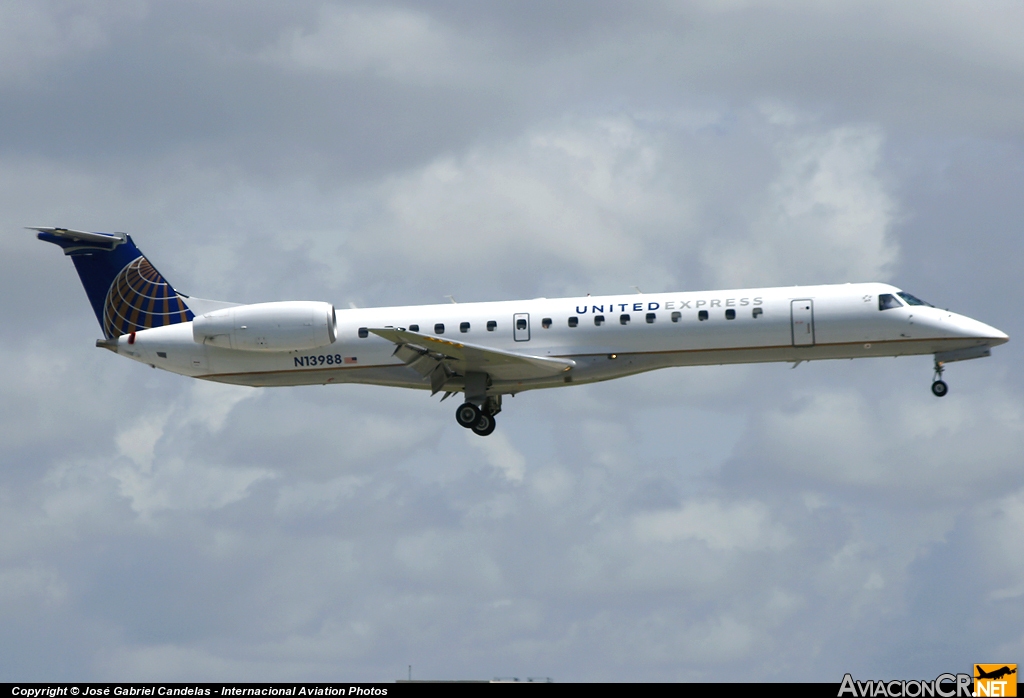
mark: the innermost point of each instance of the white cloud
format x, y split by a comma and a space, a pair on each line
435, 556
185, 485
1000, 534
827, 217
211, 403
718, 640
138, 442
501, 454
741, 526
167, 479
905, 446
305, 498
589, 198
553, 485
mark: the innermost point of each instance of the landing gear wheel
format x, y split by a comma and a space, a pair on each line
467, 415
485, 425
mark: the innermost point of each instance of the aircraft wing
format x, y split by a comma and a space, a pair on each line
440, 358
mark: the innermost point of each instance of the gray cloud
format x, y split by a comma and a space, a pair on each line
664, 527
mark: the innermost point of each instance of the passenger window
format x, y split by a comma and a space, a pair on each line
546, 323
439, 328
758, 312
730, 314
650, 318
623, 319
599, 320
363, 333
702, 315
521, 324
676, 315
414, 328
573, 321
491, 325
887, 301
464, 327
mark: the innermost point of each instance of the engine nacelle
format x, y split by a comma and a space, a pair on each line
282, 326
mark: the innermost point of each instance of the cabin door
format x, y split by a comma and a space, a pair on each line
521, 327
802, 317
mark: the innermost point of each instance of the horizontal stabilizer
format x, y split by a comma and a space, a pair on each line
69, 238
425, 353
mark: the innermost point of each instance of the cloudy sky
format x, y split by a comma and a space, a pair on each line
719, 523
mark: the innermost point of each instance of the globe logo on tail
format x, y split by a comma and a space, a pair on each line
139, 298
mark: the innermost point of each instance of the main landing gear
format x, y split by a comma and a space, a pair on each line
481, 421
477, 412
939, 387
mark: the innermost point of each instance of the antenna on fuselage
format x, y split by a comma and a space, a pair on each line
637, 289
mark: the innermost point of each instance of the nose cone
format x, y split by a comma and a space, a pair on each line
997, 336
969, 327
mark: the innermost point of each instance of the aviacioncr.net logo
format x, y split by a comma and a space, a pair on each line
943, 686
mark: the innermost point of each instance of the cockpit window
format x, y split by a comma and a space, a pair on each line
913, 300
887, 301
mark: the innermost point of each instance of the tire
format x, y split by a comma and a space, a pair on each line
939, 388
467, 415
485, 425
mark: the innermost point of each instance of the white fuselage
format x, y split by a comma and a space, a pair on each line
638, 333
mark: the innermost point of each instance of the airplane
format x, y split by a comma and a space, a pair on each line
996, 673
491, 349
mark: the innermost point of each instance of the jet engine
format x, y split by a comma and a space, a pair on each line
283, 326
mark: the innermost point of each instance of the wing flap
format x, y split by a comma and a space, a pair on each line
425, 354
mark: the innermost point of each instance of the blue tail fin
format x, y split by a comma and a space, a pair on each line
126, 291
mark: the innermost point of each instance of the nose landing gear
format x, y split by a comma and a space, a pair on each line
939, 387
